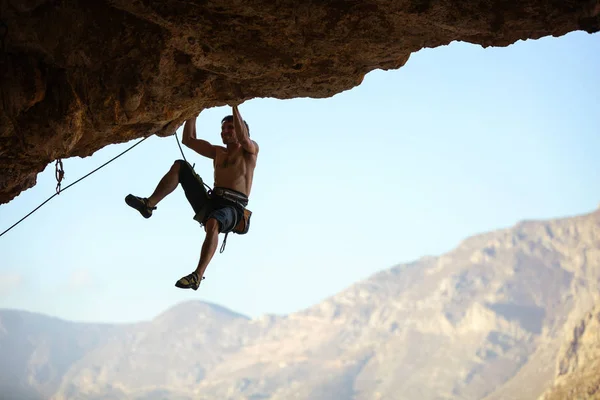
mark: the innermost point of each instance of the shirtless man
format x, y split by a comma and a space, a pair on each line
220, 210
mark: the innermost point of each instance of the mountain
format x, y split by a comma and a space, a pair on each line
578, 367
488, 320
37, 351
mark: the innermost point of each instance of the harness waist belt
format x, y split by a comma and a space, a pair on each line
231, 195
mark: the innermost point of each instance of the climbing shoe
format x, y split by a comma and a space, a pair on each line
140, 204
190, 281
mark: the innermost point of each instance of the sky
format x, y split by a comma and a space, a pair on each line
461, 140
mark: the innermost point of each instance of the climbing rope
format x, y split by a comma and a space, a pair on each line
180, 149
222, 249
61, 173
184, 159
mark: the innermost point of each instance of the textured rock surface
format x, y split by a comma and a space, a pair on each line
484, 321
77, 75
578, 369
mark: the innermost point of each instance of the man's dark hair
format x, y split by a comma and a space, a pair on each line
229, 118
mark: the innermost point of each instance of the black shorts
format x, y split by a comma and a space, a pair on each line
205, 206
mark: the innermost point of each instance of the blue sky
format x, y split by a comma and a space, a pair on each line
459, 141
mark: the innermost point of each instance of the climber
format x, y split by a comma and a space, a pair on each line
222, 209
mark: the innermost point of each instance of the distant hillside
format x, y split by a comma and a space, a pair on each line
484, 321
578, 365
37, 351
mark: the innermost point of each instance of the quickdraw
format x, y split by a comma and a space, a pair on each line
60, 174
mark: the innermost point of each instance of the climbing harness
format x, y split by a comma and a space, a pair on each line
242, 226
60, 174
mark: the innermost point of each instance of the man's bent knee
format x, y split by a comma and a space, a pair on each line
178, 164
183, 167
212, 226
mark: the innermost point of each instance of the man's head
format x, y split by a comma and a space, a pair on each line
228, 130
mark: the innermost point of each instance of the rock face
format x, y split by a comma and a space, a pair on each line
578, 369
77, 75
484, 321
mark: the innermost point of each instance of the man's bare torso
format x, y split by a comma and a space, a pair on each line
234, 169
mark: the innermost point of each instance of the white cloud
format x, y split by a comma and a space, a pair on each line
9, 281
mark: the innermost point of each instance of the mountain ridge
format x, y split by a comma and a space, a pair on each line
482, 321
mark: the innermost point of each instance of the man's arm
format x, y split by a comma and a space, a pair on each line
242, 133
200, 146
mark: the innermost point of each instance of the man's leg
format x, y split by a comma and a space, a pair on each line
211, 241
192, 281
167, 184
220, 220
180, 172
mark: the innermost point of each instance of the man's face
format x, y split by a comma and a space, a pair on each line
228, 133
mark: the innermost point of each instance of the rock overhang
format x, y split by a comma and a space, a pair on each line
78, 75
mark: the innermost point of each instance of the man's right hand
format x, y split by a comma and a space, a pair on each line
189, 129
200, 146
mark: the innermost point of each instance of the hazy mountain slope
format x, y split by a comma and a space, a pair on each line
36, 351
578, 240
578, 375
534, 377
170, 353
457, 326
485, 320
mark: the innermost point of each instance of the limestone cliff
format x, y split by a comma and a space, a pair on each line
578, 367
77, 75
